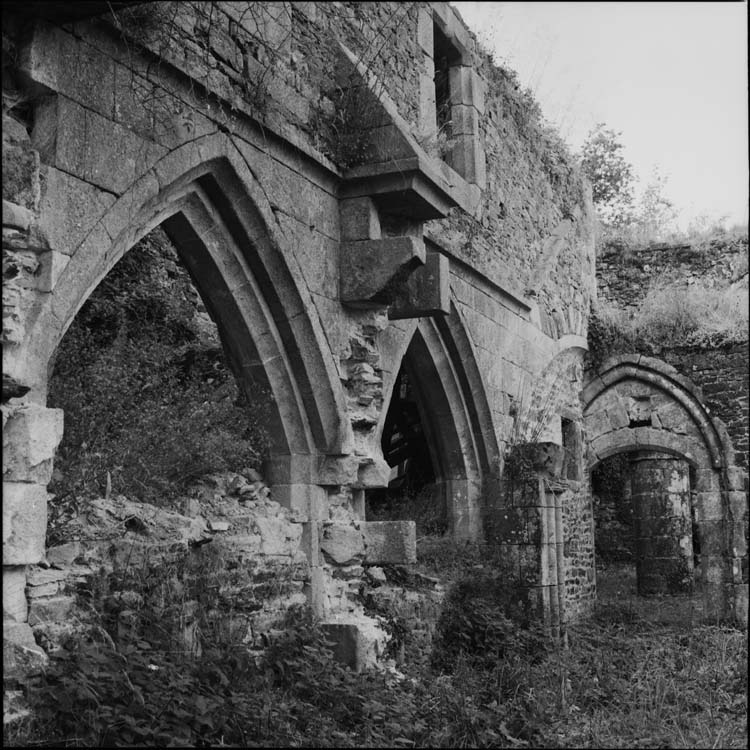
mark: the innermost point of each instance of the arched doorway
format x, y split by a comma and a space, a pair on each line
689, 507
438, 446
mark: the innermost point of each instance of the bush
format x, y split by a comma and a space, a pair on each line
486, 617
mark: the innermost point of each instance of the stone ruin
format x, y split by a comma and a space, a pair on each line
358, 193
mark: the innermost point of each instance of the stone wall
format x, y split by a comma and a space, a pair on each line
329, 239
624, 277
722, 375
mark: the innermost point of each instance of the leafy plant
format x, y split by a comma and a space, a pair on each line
611, 176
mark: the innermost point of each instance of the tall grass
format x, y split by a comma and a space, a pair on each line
673, 315
623, 682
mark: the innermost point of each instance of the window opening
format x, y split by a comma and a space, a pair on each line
444, 56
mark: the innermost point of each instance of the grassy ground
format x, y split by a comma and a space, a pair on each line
639, 674
649, 676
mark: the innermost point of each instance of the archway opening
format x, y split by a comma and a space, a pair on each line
412, 492
151, 401
646, 537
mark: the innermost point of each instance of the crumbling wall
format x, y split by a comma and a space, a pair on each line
230, 112
624, 277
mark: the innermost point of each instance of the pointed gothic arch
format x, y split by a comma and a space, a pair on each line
452, 403
215, 211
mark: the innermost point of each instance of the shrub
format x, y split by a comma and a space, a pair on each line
486, 617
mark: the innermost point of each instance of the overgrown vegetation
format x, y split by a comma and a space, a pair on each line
149, 402
670, 315
425, 506
489, 681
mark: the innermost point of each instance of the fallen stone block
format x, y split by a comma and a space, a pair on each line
21, 654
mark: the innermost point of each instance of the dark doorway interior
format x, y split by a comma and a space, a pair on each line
411, 493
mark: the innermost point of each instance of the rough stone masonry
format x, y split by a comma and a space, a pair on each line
355, 188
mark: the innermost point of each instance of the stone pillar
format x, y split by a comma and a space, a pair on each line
527, 524
663, 527
30, 437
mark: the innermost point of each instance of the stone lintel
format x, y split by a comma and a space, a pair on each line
373, 270
390, 542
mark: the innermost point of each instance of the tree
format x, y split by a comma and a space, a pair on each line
656, 213
610, 175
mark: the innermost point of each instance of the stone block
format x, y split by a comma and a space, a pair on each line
708, 506
736, 478
15, 607
390, 542
63, 555
51, 264
425, 31
36, 576
16, 216
305, 502
372, 270
597, 423
426, 292
341, 543
359, 219
464, 121
427, 106
337, 470
737, 505
24, 523
53, 609
467, 157
466, 87
293, 469
373, 472
30, 437
278, 536
21, 654
713, 569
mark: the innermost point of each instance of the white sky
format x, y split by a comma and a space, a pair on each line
671, 76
